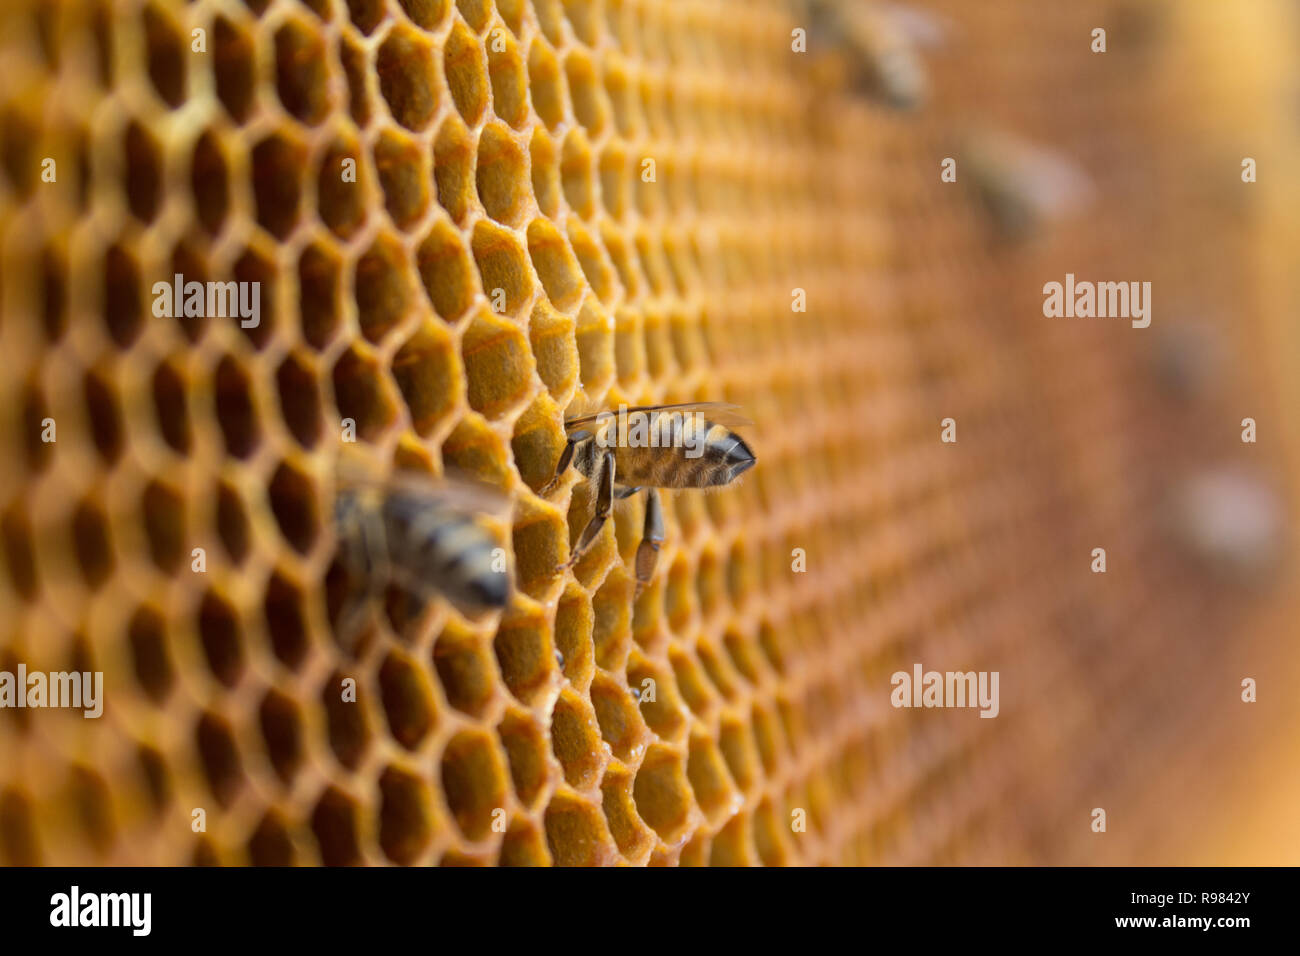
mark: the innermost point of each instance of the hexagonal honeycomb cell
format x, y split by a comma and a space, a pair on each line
469, 218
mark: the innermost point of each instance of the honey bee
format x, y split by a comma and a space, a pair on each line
1021, 185
1187, 358
647, 448
880, 46
425, 537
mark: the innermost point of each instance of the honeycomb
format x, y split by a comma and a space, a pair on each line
469, 218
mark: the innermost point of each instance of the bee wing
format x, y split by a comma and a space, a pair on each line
457, 490
723, 413
925, 28
1059, 186
470, 494
874, 24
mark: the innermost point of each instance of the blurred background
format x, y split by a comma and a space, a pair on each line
503, 146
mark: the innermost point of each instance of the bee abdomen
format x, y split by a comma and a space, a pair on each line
684, 452
443, 551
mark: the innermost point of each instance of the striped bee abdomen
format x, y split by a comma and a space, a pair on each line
688, 452
437, 549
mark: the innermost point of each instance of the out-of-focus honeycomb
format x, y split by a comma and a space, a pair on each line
646, 182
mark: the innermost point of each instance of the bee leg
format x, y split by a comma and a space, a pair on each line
359, 606
604, 506
405, 600
622, 493
647, 552
562, 465
353, 617
364, 558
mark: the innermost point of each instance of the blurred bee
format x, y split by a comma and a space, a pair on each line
1186, 358
650, 447
879, 46
425, 537
1022, 186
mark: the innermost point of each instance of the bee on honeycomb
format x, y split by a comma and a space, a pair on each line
677, 447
